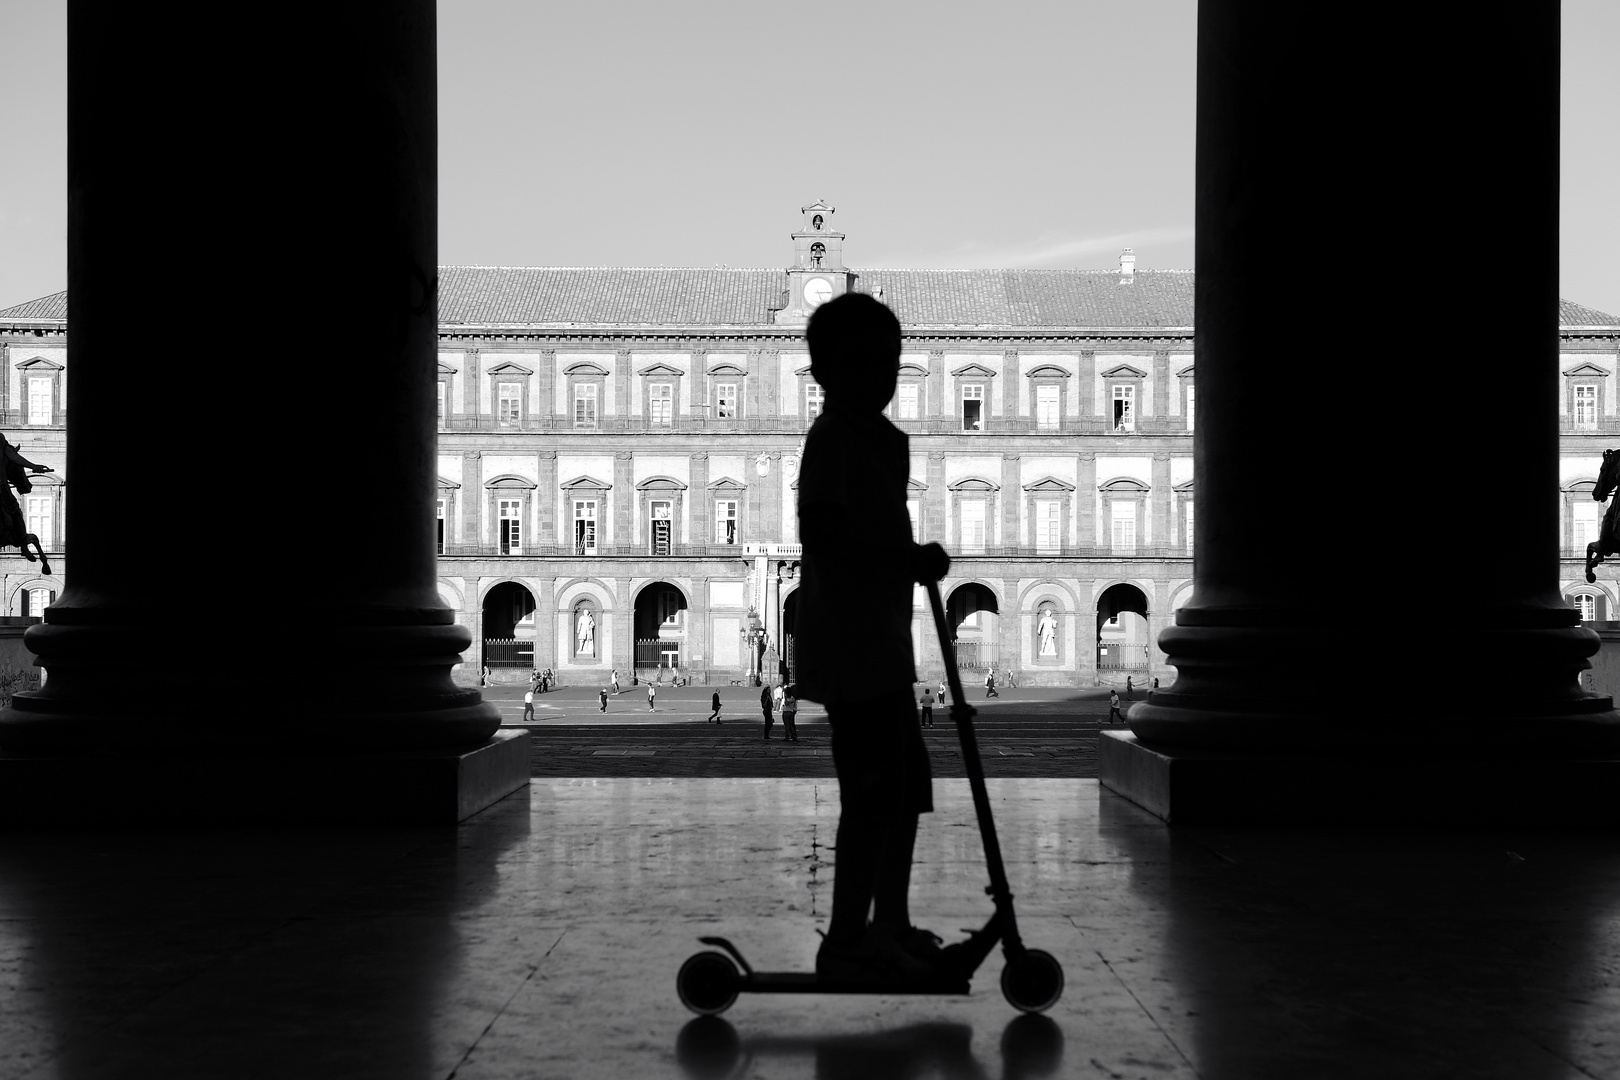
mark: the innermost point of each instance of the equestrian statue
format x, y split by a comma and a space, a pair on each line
1608, 541
13, 526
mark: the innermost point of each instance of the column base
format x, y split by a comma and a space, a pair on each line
385, 787
1379, 786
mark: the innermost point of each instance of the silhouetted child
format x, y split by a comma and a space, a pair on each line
853, 637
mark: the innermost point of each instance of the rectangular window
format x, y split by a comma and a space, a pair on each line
39, 400
907, 408
1124, 408
1586, 604
660, 403
38, 512
669, 608
1046, 408
725, 401
1122, 514
914, 512
725, 521
441, 400
511, 521
508, 402
585, 405
1048, 524
440, 548
1586, 406
1588, 520
1191, 395
1189, 537
584, 526
972, 524
973, 408
814, 399
35, 601
659, 519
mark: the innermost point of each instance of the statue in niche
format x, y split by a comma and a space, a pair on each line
585, 633
13, 525
1046, 632
1608, 541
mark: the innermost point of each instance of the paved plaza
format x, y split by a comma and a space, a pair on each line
1027, 731
541, 939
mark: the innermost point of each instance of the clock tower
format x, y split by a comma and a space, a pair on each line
817, 274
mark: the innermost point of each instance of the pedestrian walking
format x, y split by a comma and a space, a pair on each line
1113, 707
603, 696
528, 705
1130, 690
766, 700
615, 680
715, 716
652, 694
990, 684
790, 709
927, 704
483, 677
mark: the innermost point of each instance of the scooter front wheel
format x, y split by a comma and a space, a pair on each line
1033, 982
707, 983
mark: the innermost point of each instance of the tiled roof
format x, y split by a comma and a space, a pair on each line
53, 306
1573, 314
718, 296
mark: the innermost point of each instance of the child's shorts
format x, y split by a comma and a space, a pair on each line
881, 759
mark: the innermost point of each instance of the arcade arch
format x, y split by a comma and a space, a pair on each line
1122, 630
974, 615
508, 626
660, 628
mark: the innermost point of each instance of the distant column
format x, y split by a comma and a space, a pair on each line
1501, 662
700, 505
546, 495
1159, 500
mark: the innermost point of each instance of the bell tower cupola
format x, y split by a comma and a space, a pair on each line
818, 273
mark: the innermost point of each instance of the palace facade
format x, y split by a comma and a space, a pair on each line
618, 453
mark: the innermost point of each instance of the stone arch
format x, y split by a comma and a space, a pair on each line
660, 626
21, 596
509, 609
1603, 608
1122, 634
973, 611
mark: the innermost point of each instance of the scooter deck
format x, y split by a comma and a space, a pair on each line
804, 982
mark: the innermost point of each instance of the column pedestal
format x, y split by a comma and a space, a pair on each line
1381, 784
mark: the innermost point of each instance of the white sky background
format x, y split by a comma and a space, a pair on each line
688, 134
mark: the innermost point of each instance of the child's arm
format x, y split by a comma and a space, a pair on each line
825, 528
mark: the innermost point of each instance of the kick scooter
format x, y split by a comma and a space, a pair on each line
1032, 981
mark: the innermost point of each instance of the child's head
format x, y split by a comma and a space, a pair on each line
855, 351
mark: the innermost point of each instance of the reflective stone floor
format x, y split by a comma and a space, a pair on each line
542, 938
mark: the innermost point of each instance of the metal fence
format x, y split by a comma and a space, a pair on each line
1116, 657
508, 653
974, 655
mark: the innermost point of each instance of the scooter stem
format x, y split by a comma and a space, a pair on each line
962, 713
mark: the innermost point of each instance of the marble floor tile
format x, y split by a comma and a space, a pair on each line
542, 939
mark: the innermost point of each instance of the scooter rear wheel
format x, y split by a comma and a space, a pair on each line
1033, 982
707, 983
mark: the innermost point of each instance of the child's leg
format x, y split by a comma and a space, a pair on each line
892, 882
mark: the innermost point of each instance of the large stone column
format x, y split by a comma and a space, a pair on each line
1410, 160
270, 179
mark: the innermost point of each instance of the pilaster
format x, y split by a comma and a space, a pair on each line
545, 495
1161, 497
701, 504
623, 499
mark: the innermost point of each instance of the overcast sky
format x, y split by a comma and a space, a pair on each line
688, 134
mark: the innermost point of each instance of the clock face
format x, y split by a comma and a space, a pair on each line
817, 291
